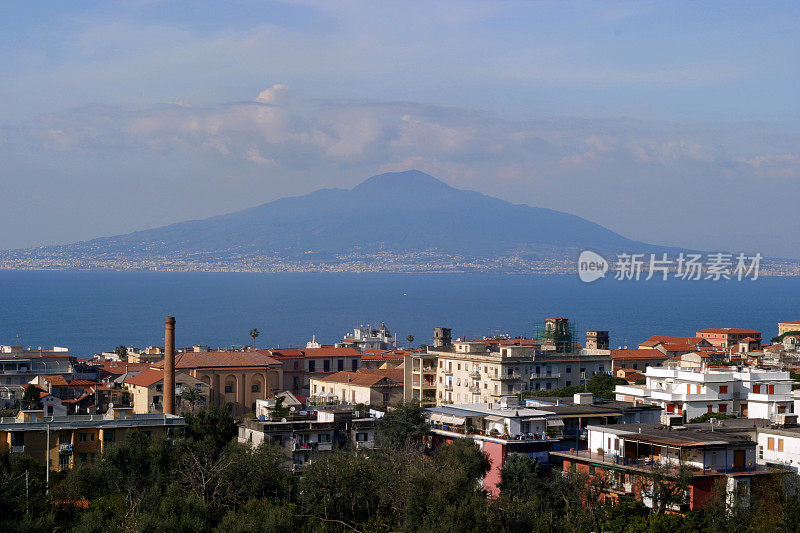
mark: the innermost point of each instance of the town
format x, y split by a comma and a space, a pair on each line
673, 426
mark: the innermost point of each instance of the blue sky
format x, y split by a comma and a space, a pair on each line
669, 122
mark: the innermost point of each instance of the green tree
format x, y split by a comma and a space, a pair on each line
121, 351
410, 339
31, 398
254, 333
212, 425
193, 397
402, 425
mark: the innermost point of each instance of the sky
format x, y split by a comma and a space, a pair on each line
676, 123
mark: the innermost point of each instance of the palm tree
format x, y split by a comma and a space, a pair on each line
193, 397
410, 339
254, 333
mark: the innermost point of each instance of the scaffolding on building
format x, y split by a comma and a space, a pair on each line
556, 332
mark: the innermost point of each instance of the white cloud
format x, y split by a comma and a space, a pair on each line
273, 95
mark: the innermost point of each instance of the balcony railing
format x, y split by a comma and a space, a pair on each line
475, 374
65, 448
18, 449
475, 389
546, 375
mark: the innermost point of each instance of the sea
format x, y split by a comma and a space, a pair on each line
91, 312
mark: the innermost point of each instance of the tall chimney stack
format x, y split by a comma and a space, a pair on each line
169, 366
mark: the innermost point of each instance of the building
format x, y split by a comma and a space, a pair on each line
535, 429
673, 344
480, 371
692, 392
300, 365
369, 338
384, 358
638, 358
64, 441
628, 455
305, 434
368, 387
779, 447
597, 340
147, 390
728, 338
233, 378
785, 327
20, 366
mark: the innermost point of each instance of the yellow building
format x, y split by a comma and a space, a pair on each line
237, 379
784, 327
147, 390
63, 441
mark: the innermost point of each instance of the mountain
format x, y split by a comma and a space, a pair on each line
407, 219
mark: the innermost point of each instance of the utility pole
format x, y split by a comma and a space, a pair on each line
47, 461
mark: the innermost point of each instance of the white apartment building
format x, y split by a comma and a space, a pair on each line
692, 392
477, 372
779, 447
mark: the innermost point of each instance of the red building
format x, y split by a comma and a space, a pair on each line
728, 337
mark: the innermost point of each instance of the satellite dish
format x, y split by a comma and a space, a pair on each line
283, 420
292, 409
110, 405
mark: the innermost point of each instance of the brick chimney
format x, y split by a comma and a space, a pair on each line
169, 366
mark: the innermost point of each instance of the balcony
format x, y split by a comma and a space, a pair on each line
475, 389
546, 375
365, 445
65, 448
18, 449
510, 375
474, 374
312, 446
448, 386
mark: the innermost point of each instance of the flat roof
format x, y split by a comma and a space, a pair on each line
685, 437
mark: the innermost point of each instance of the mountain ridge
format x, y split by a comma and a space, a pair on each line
407, 217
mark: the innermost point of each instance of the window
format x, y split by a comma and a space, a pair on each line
780, 445
601, 368
82, 437
324, 437
781, 409
296, 366
770, 389
569, 370
770, 443
688, 389
710, 408
458, 366
255, 387
198, 386
699, 389
63, 460
723, 389
361, 437
108, 436
17, 438
569, 383
757, 389
326, 365
670, 408
635, 366
159, 388
760, 452
312, 366
228, 388
723, 408
340, 364
156, 400
82, 457
355, 364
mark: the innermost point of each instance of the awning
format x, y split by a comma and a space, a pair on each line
495, 418
554, 422
444, 418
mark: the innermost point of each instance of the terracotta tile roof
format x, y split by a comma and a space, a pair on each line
282, 353
83, 383
725, 331
637, 353
384, 355
327, 351
791, 322
361, 379
395, 374
146, 378
661, 339
221, 359
56, 380
118, 368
